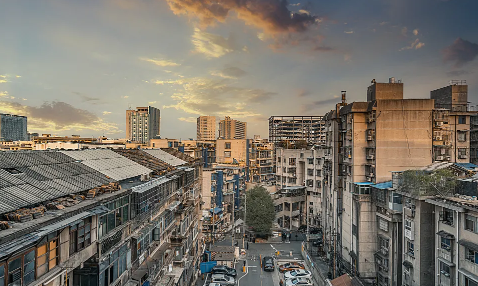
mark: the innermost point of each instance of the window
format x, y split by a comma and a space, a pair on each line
278, 160
410, 248
319, 184
318, 173
80, 235
28, 268
446, 216
471, 255
461, 119
292, 161
118, 215
310, 172
461, 136
470, 223
444, 269
383, 224
228, 145
2, 274
470, 282
383, 243
445, 243
310, 161
227, 154
310, 183
15, 272
461, 152
47, 256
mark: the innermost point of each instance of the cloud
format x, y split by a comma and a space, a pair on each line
230, 72
460, 52
106, 112
4, 93
271, 16
303, 93
214, 46
319, 103
383, 23
161, 63
404, 31
458, 73
125, 97
205, 96
415, 32
152, 102
58, 116
414, 45
348, 32
3, 76
419, 45
188, 119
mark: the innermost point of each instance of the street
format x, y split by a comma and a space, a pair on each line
254, 274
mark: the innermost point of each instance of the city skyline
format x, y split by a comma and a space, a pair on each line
75, 68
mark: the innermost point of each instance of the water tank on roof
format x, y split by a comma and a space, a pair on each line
391, 80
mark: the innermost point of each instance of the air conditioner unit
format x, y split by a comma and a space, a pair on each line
447, 143
448, 158
439, 158
463, 157
371, 175
370, 157
439, 123
369, 179
369, 138
438, 138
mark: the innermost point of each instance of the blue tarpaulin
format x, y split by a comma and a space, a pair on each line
216, 210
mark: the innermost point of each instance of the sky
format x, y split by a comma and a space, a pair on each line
75, 66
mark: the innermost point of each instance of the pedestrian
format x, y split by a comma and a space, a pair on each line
247, 246
244, 263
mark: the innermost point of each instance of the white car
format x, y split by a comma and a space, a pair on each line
298, 273
222, 279
299, 282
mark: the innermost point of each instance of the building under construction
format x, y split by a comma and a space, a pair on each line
296, 128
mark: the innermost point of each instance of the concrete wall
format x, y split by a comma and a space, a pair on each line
403, 136
238, 151
385, 91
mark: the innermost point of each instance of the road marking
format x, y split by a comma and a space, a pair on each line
239, 280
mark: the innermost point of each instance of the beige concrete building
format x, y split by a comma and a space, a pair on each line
232, 151
143, 124
261, 161
232, 129
302, 168
206, 128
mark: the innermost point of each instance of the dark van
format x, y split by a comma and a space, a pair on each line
268, 263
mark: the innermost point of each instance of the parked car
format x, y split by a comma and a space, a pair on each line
299, 282
214, 284
291, 266
298, 273
317, 242
268, 263
223, 269
222, 279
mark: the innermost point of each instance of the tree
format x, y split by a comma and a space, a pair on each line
418, 183
260, 210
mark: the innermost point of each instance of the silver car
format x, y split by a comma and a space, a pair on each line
222, 279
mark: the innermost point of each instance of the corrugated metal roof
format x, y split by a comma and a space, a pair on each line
468, 166
383, 186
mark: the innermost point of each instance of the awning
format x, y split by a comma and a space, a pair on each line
100, 210
407, 264
451, 264
216, 210
468, 274
468, 244
445, 234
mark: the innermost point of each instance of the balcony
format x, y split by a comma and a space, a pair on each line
445, 254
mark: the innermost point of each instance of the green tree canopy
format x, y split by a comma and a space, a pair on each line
260, 210
424, 183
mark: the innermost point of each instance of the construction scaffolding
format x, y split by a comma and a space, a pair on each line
296, 128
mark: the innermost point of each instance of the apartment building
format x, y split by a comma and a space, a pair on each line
13, 127
261, 161
143, 124
206, 128
222, 188
291, 129
474, 139
95, 217
232, 129
303, 168
290, 205
233, 151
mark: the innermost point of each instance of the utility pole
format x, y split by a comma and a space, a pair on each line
245, 215
233, 223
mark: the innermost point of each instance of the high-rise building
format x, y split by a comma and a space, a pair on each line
143, 124
232, 129
206, 128
290, 129
13, 127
